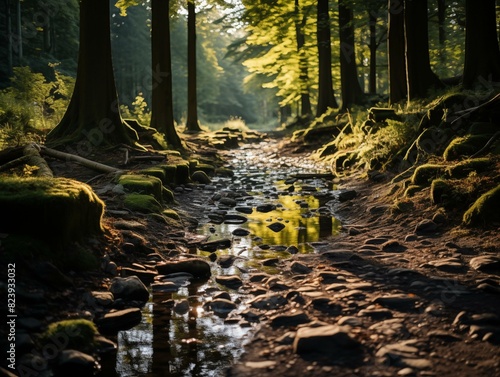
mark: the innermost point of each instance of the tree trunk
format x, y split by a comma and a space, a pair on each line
396, 52
192, 123
482, 55
92, 119
19, 33
372, 16
162, 117
420, 78
326, 97
305, 100
442, 30
47, 34
350, 88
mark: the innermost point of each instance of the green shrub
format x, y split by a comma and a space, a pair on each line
77, 334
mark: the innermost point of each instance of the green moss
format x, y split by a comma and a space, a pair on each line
465, 146
142, 184
171, 214
77, 334
464, 168
55, 210
168, 196
439, 188
170, 173
142, 203
412, 190
425, 174
155, 172
484, 210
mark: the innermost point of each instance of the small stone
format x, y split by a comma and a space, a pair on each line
486, 263
377, 314
287, 320
349, 321
246, 210
406, 372
241, 232
129, 289
181, 307
197, 267
393, 246
230, 281
76, 363
230, 202
426, 226
166, 287
330, 340
264, 208
260, 364
276, 227
221, 306
115, 321
300, 268
268, 302
292, 249
346, 195
100, 298
396, 302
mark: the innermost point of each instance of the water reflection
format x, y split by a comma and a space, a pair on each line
167, 343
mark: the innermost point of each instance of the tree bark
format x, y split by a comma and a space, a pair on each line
372, 87
92, 119
419, 75
482, 55
350, 88
192, 123
162, 116
326, 97
396, 52
305, 100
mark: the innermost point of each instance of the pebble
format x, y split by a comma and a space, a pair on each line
396, 302
426, 226
129, 289
276, 227
268, 301
330, 340
288, 320
115, 321
486, 263
230, 281
300, 268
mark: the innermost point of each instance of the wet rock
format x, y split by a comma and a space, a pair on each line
264, 208
166, 287
181, 307
226, 261
486, 263
115, 321
246, 210
276, 227
241, 232
212, 246
292, 249
426, 226
147, 277
300, 268
76, 364
258, 277
396, 302
194, 266
221, 306
268, 302
235, 219
230, 281
330, 340
270, 262
129, 289
287, 320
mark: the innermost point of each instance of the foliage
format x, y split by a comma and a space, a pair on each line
139, 110
32, 105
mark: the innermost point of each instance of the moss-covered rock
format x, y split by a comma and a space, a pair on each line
168, 196
171, 214
439, 189
142, 203
142, 184
412, 190
76, 334
155, 172
465, 146
464, 168
182, 174
484, 210
425, 174
200, 177
55, 210
170, 173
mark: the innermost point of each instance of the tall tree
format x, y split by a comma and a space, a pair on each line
326, 97
482, 55
162, 117
300, 23
92, 118
419, 75
192, 123
350, 89
396, 51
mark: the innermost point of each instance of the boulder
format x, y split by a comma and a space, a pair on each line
129, 289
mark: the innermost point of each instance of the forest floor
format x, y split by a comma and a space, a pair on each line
394, 294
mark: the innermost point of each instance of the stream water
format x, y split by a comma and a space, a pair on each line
265, 189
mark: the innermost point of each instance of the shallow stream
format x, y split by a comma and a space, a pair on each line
283, 205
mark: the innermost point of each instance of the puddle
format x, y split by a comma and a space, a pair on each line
199, 343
